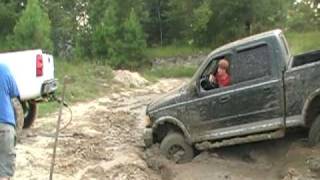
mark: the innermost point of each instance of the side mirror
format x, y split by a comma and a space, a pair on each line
196, 87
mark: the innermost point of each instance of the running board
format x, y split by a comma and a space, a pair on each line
240, 140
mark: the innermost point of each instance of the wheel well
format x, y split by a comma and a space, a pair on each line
163, 129
30, 111
313, 111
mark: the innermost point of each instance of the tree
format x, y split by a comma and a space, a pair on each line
178, 18
154, 25
33, 28
118, 37
105, 34
133, 42
201, 18
304, 16
9, 14
235, 19
63, 15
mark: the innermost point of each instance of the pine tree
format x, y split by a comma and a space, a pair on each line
201, 18
134, 42
33, 28
104, 36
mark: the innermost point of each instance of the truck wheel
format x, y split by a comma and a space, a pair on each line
18, 113
30, 113
314, 133
175, 148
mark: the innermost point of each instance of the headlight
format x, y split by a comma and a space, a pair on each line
147, 121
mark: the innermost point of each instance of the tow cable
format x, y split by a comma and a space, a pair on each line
59, 100
58, 129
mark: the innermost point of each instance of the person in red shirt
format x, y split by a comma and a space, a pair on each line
221, 77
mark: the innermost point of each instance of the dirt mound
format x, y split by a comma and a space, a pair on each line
126, 164
129, 79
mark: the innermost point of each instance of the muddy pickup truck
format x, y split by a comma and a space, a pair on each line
270, 91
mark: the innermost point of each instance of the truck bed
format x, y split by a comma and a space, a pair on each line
23, 65
306, 58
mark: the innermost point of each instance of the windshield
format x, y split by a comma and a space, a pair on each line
199, 70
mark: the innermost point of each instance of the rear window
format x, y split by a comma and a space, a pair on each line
251, 63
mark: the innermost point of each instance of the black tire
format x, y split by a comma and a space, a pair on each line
19, 116
30, 110
314, 133
175, 148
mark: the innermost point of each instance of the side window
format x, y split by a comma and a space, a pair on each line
212, 65
251, 63
216, 74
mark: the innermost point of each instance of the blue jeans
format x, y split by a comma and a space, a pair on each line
7, 150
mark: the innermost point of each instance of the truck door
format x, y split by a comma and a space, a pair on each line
258, 86
254, 98
215, 107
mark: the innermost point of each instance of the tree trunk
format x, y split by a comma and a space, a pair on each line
160, 22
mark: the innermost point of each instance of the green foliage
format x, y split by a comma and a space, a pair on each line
133, 43
105, 34
62, 14
169, 51
107, 29
304, 17
121, 44
117, 32
235, 19
33, 28
212, 22
201, 18
303, 42
154, 24
178, 19
8, 19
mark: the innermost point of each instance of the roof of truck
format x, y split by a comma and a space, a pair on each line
275, 32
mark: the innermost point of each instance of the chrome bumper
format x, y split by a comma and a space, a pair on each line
49, 87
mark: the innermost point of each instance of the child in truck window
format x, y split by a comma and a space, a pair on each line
221, 77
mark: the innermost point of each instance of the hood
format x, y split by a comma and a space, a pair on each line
170, 98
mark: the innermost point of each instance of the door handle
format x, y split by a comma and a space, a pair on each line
224, 99
267, 89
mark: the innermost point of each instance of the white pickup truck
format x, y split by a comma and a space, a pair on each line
33, 71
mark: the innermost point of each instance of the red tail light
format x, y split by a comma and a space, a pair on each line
39, 65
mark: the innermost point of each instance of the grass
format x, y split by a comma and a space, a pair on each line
169, 72
89, 80
172, 50
303, 42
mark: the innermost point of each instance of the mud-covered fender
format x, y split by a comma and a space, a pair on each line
175, 122
307, 103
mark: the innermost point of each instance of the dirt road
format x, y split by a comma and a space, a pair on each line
104, 142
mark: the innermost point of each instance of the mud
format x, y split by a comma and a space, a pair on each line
104, 141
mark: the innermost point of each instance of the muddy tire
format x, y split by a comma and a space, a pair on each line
30, 113
314, 133
175, 148
19, 116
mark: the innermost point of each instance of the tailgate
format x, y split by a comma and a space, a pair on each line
23, 65
48, 67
